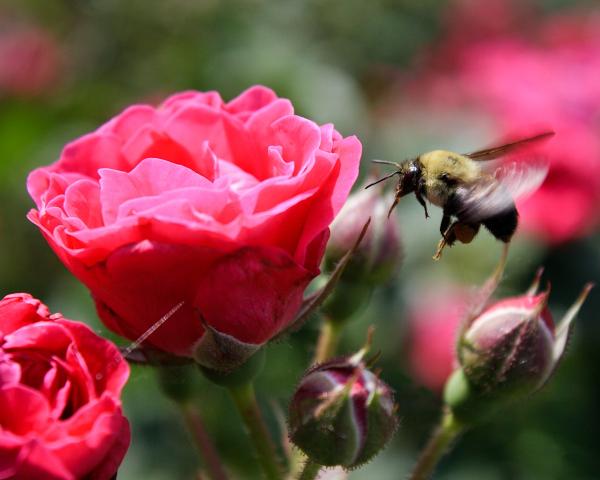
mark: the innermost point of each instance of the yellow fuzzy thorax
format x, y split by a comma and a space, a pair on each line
436, 164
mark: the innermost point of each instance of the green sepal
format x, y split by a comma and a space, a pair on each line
222, 352
468, 406
241, 375
381, 425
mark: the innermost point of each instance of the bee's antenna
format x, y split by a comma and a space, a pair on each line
385, 162
382, 179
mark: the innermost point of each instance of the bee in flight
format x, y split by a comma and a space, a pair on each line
470, 193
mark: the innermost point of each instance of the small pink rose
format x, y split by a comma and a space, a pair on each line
60, 387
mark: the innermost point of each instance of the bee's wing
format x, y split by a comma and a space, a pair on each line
522, 178
497, 193
495, 152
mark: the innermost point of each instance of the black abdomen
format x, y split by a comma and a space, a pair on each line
503, 224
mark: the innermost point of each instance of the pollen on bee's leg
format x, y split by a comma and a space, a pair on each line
465, 233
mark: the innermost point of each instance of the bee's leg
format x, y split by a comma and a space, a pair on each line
396, 200
445, 223
448, 238
421, 200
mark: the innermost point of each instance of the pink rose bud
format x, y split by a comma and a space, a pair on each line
379, 255
509, 350
60, 387
342, 413
223, 207
376, 259
510, 345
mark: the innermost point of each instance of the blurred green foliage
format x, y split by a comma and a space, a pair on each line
334, 60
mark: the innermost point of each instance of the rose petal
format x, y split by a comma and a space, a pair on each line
129, 122
37, 461
263, 288
150, 177
82, 201
140, 283
88, 439
91, 152
211, 99
10, 372
47, 337
251, 100
18, 310
103, 361
333, 193
23, 410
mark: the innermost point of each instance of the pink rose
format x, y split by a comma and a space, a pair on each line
60, 412
224, 206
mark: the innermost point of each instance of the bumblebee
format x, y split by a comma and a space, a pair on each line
471, 190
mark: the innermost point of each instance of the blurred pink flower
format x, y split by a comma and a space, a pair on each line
540, 78
483, 19
29, 60
434, 318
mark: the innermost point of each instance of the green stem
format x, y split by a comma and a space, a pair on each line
439, 443
207, 450
244, 398
328, 340
310, 470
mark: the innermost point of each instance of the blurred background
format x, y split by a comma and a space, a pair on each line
405, 76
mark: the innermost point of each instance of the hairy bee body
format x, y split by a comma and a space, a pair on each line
443, 171
501, 224
469, 195
451, 181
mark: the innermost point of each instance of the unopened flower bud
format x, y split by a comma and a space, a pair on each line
380, 252
509, 350
342, 413
510, 345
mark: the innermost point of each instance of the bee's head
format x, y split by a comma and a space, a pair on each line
408, 173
